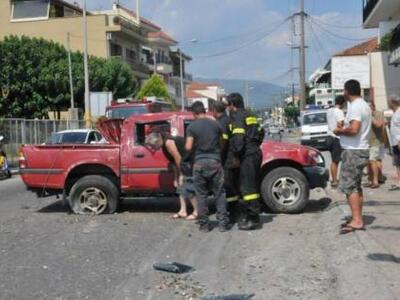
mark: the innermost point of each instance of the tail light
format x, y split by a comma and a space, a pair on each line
22, 160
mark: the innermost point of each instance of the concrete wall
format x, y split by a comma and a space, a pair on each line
56, 30
385, 79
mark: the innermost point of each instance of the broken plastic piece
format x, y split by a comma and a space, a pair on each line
230, 297
173, 267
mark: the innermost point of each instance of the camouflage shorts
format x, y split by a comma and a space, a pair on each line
353, 164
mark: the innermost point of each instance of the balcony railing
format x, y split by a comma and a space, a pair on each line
369, 6
136, 66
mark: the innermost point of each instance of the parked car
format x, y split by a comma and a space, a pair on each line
314, 129
75, 136
93, 179
5, 171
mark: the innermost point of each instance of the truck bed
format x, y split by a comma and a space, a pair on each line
47, 166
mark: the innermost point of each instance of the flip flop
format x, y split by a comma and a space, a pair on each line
191, 217
349, 229
394, 188
178, 216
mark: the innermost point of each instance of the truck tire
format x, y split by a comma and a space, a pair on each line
285, 190
94, 195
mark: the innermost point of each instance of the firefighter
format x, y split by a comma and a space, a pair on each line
231, 169
247, 136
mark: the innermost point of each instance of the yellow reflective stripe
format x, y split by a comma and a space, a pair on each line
225, 136
232, 199
230, 127
251, 197
238, 131
251, 121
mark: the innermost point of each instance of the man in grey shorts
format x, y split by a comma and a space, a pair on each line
354, 138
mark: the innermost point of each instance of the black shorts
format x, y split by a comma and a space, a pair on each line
336, 150
396, 156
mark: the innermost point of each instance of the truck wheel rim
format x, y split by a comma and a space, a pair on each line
92, 200
286, 191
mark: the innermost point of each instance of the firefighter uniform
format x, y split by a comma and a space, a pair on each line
231, 171
247, 136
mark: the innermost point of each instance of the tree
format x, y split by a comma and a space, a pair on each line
292, 113
34, 74
155, 86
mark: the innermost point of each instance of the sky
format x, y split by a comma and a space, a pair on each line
250, 39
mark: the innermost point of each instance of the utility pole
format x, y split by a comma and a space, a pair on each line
181, 79
138, 11
71, 84
302, 58
88, 116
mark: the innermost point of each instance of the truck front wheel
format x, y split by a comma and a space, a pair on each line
285, 190
94, 194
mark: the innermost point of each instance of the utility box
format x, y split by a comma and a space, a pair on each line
98, 103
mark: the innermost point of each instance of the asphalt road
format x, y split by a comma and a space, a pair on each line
48, 253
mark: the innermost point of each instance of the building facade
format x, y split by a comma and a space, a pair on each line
118, 32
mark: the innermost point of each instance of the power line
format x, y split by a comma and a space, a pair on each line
323, 28
318, 42
316, 20
245, 44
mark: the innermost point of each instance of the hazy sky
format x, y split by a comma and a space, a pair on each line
223, 26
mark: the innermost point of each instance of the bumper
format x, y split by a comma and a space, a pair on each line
316, 142
318, 177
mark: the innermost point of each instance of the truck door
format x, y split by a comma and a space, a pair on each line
145, 169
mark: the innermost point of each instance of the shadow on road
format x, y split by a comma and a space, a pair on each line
384, 257
316, 206
56, 207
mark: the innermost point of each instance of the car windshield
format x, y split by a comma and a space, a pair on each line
313, 119
125, 112
68, 138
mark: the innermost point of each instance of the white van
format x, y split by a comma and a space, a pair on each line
314, 129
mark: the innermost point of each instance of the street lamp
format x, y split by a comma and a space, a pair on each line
181, 75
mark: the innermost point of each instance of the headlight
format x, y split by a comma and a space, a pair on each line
316, 158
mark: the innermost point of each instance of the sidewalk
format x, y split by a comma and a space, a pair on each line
382, 216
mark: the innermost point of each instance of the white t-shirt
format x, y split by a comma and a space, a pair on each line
395, 128
335, 115
358, 110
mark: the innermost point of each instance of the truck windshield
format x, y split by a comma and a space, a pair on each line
313, 119
125, 112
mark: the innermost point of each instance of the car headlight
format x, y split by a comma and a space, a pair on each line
316, 158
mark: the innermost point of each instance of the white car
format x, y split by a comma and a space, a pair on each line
76, 136
314, 129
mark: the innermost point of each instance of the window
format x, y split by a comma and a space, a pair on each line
131, 55
91, 138
329, 91
115, 49
125, 112
99, 137
319, 92
313, 119
144, 129
30, 9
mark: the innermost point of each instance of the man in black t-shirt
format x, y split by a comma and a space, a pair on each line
204, 138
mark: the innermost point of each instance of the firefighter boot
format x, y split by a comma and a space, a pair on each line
250, 223
234, 212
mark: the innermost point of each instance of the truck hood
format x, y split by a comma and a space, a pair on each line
111, 130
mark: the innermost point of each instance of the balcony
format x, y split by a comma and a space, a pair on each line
394, 47
136, 66
377, 11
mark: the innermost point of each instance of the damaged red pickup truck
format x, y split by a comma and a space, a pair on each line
93, 179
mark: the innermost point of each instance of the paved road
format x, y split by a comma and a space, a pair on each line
48, 253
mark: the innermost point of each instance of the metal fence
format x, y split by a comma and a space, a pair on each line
23, 131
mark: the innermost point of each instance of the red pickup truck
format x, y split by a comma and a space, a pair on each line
93, 179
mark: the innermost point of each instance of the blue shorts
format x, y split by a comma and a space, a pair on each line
186, 190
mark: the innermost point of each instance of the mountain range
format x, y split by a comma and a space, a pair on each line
261, 94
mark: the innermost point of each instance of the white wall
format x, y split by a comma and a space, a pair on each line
385, 79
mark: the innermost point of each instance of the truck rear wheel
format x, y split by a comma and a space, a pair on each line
285, 190
94, 194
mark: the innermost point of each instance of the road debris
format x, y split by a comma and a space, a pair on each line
230, 297
173, 267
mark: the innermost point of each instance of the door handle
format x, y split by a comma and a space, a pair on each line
139, 155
